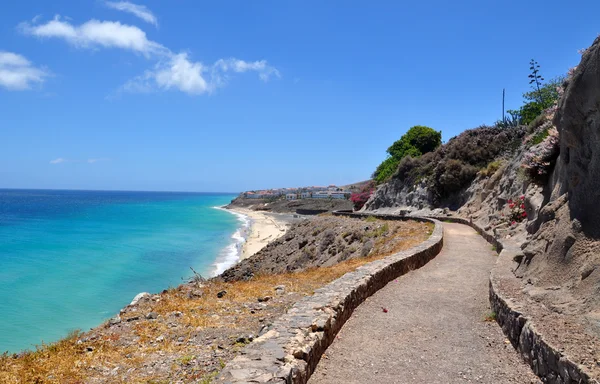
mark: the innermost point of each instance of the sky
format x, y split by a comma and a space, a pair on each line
230, 96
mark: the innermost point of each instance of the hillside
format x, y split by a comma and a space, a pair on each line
536, 185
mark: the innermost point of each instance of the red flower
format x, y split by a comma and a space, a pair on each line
524, 214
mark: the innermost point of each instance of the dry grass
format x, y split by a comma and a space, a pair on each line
130, 348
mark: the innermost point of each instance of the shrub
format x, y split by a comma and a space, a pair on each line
359, 199
516, 210
415, 142
538, 100
491, 168
452, 175
452, 166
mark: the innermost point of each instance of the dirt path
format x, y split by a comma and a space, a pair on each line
434, 329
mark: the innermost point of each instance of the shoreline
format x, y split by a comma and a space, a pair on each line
263, 228
256, 230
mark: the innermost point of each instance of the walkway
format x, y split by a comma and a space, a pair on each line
434, 329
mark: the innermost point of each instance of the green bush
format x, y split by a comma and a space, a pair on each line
414, 143
538, 101
452, 166
491, 168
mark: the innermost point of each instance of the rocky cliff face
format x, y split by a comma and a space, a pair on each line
564, 253
560, 198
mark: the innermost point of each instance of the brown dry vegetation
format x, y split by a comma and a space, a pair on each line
193, 335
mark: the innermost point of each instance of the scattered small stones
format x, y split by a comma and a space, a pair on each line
114, 321
139, 297
152, 316
279, 289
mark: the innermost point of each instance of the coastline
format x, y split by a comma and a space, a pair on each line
257, 229
264, 228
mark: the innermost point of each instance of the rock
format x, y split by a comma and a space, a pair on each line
586, 271
263, 299
89, 349
222, 293
134, 318
177, 313
152, 315
160, 339
279, 289
139, 297
114, 321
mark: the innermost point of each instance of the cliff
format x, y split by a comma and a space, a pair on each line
540, 187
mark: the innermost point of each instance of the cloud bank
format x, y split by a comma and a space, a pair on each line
17, 73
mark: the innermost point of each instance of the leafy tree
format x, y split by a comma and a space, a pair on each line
538, 100
415, 142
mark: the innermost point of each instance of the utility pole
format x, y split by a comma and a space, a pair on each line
503, 93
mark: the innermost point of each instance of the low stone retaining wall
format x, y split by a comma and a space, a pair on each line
546, 361
290, 350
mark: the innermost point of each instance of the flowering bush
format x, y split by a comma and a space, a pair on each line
539, 161
516, 210
359, 199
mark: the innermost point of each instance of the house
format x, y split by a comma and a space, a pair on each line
330, 195
291, 196
252, 195
305, 195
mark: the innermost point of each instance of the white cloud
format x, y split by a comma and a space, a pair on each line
17, 73
92, 161
172, 72
194, 78
61, 160
94, 33
140, 11
264, 71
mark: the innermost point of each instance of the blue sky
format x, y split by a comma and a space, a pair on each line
236, 95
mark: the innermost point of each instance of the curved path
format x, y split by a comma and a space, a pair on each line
434, 330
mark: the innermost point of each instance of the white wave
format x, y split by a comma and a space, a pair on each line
231, 254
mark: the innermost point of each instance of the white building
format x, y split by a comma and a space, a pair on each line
305, 195
291, 196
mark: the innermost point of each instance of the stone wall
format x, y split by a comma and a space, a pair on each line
289, 351
546, 360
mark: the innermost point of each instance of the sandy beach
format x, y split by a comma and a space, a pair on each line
265, 228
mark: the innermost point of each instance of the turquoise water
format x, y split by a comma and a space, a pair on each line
71, 259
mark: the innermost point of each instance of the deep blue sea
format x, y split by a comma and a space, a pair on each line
72, 259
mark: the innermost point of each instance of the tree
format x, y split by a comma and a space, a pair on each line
415, 142
538, 100
535, 79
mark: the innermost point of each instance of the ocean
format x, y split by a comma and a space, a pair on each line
72, 259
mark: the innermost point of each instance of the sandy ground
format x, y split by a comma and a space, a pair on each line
265, 228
